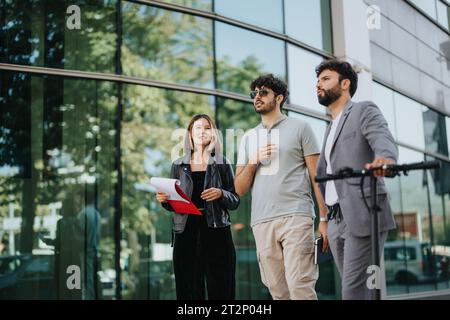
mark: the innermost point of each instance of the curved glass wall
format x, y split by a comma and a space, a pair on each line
416, 253
57, 187
78, 219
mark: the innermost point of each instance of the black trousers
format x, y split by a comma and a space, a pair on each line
203, 254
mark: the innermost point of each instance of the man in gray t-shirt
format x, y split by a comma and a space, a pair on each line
277, 161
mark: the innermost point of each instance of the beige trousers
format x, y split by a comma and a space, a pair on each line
285, 250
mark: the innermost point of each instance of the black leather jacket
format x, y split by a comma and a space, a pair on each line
219, 174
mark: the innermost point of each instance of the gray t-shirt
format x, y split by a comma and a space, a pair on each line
281, 187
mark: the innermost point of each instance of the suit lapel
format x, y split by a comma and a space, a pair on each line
345, 114
327, 133
322, 164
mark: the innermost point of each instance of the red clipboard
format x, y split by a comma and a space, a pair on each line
181, 206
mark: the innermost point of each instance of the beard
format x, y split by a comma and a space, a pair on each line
330, 95
266, 108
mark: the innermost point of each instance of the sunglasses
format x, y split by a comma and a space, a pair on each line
262, 93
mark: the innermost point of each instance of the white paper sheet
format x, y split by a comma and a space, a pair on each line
167, 185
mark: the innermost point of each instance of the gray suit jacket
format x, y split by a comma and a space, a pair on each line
362, 135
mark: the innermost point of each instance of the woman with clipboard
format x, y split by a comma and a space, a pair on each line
203, 245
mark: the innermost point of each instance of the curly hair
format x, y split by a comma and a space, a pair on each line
275, 84
344, 69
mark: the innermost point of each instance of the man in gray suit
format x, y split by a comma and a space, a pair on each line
357, 137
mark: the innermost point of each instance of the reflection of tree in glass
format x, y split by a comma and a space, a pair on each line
167, 46
36, 34
197, 4
150, 117
237, 78
238, 115
15, 148
93, 46
233, 78
41, 38
16, 21
82, 156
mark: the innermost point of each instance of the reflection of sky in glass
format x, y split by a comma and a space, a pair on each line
238, 44
302, 78
429, 6
408, 114
266, 14
153, 158
384, 99
304, 21
318, 126
442, 14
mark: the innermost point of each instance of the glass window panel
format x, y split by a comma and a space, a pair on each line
381, 63
408, 114
302, 78
309, 22
167, 46
428, 6
405, 77
318, 126
236, 69
61, 212
384, 99
40, 33
15, 125
394, 251
196, 4
442, 14
418, 205
234, 119
435, 132
447, 129
148, 138
438, 182
266, 14
447, 217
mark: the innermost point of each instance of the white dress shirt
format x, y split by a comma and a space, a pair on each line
331, 196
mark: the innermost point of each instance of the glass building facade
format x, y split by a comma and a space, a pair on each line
93, 91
